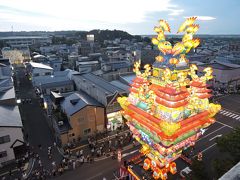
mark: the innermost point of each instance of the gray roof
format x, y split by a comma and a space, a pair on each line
7, 93
23, 37
10, 116
128, 79
101, 83
57, 84
40, 65
121, 85
232, 174
218, 66
49, 79
76, 101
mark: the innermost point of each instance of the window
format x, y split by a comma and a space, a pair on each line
48, 73
3, 154
36, 74
87, 131
4, 139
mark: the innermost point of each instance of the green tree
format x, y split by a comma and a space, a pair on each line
230, 143
198, 170
221, 166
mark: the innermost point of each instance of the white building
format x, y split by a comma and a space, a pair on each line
11, 136
39, 69
87, 67
23, 41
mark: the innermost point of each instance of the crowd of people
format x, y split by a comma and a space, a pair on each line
97, 147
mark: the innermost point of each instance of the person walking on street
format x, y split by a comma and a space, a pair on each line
92, 151
81, 152
74, 165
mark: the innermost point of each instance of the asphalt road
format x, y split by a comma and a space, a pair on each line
34, 121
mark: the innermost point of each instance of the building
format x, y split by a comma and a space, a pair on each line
226, 75
232, 174
88, 66
105, 93
11, 135
90, 37
23, 41
84, 116
59, 81
38, 69
120, 66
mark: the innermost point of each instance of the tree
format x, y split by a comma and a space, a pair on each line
15, 56
221, 166
198, 170
147, 40
230, 143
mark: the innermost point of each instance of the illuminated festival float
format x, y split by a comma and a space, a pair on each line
168, 106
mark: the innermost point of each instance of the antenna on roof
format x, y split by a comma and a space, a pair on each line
12, 29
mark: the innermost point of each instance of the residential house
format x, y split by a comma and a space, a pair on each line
11, 134
84, 116
38, 69
105, 93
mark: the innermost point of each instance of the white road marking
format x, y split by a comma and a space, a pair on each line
205, 149
227, 114
238, 118
219, 135
126, 154
209, 147
232, 115
211, 133
225, 124
235, 116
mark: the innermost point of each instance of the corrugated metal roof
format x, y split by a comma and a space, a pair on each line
42, 80
121, 85
76, 101
101, 83
40, 65
7, 93
57, 84
10, 116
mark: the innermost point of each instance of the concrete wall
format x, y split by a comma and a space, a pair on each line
61, 89
90, 89
41, 72
15, 133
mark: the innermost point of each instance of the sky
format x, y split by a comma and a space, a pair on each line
138, 17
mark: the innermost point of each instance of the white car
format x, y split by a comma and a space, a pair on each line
185, 172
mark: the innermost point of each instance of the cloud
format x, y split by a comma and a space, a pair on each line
203, 18
83, 14
176, 12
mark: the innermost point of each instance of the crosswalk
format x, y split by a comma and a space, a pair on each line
230, 114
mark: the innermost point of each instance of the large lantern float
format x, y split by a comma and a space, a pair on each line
168, 105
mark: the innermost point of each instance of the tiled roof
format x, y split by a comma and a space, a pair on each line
76, 101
